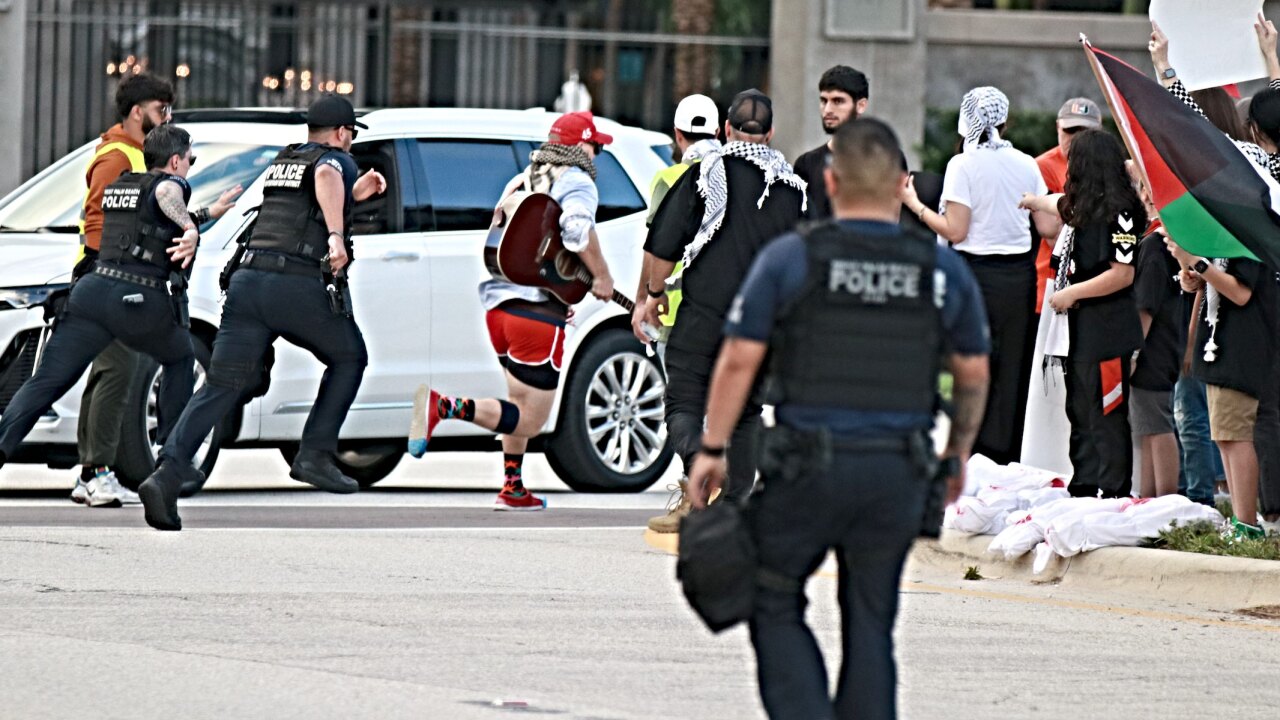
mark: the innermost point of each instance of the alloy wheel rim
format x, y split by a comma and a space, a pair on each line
624, 413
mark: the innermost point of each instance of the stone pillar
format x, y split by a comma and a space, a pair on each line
13, 68
802, 47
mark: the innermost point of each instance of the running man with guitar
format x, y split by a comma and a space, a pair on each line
526, 322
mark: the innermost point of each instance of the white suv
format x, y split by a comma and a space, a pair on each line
418, 263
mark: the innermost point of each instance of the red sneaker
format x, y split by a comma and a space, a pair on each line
424, 420
519, 500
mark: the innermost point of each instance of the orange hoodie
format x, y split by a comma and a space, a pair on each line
104, 170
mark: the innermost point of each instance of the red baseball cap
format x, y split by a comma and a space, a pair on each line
577, 127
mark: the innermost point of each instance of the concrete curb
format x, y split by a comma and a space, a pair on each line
1223, 582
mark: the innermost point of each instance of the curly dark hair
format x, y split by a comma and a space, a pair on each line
137, 89
1098, 186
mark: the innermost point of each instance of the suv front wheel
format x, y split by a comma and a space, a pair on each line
611, 436
136, 455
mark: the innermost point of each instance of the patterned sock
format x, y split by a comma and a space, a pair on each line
451, 408
512, 467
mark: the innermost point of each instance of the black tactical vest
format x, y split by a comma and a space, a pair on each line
865, 334
133, 228
290, 220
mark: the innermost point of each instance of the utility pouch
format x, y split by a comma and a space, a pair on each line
787, 455
178, 299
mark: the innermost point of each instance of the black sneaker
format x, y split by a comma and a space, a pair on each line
159, 493
317, 468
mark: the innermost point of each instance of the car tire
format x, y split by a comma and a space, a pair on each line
596, 448
364, 462
136, 455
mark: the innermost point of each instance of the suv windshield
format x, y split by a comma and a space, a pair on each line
54, 203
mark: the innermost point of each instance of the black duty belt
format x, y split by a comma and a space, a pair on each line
142, 280
276, 262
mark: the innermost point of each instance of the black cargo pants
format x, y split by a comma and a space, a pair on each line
261, 306
867, 506
96, 316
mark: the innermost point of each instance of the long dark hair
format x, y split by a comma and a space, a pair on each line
1098, 187
1221, 111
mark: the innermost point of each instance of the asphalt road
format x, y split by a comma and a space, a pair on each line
417, 601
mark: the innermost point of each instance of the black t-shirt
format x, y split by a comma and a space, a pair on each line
1157, 291
1105, 327
1243, 336
810, 166
711, 283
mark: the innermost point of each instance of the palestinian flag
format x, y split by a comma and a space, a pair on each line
1213, 200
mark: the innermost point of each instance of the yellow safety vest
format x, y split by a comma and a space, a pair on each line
137, 164
666, 178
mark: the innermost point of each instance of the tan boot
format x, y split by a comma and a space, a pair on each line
677, 507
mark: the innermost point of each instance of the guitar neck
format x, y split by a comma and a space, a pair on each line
627, 304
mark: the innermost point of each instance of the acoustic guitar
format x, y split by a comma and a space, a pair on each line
526, 249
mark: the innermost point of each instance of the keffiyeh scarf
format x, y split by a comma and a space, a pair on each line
714, 189
1212, 303
699, 150
562, 156
981, 110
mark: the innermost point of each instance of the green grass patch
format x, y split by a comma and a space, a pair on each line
1205, 538
973, 573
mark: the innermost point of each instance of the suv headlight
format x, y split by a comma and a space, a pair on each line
20, 298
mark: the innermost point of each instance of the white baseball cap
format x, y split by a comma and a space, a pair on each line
697, 114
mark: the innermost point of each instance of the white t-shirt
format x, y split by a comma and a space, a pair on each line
990, 183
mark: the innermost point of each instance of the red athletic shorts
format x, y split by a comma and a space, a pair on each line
524, 343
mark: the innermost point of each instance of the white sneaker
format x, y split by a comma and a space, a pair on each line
1271, 528
80, 493
122, 493
101, 492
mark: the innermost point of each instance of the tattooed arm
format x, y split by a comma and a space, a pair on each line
971, 375
169, 199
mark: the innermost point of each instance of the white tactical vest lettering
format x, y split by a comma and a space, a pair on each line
874, 282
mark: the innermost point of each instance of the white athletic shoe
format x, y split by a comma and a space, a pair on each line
101, 490
1271, 528
126, 496
80, 493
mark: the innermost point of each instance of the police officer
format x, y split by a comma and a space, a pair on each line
859, 318
287, 286
135, 293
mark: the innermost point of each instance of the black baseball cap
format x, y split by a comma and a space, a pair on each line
751, 112
331, 110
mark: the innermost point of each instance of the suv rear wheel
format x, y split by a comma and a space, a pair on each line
611, 436
365, 461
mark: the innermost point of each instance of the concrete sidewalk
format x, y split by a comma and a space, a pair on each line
1224, 582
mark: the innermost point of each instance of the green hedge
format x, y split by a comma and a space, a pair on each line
1031, 131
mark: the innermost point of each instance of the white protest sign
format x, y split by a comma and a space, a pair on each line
1211, 42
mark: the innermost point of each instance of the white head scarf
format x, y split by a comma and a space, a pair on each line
981, 110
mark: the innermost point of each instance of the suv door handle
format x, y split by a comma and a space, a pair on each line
399, 256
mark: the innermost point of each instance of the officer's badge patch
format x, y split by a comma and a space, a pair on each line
1124, 241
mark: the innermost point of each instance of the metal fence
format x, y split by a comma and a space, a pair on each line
219, 53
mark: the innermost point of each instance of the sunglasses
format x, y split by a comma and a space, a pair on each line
1073, 130
165, 110
355, 131
191, 161
597, 147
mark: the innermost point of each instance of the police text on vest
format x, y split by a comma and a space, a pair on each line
874, 282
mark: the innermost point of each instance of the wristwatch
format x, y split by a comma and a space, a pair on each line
1169, 74
1200, 266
